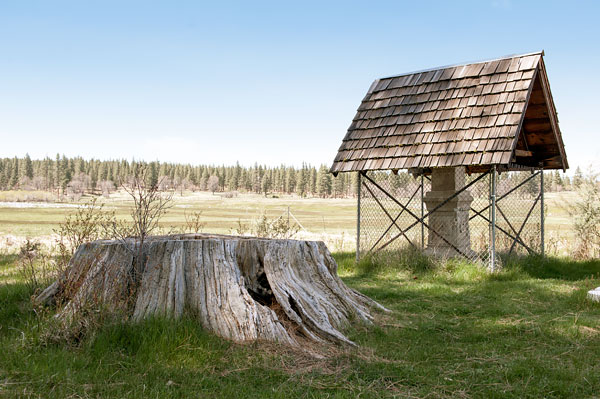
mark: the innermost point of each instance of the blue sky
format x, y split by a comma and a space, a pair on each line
268, 82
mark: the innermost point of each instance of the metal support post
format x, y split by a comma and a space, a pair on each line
493, 219
542, 211
359, 184
422, 213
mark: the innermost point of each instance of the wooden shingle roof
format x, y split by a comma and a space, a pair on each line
480, 114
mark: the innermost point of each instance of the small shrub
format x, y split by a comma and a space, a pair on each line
242, 228
585, 213
27, 263
265, 227
338, 243
35, 267
194, 223
87, 224
274, 228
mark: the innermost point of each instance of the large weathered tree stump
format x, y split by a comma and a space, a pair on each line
240, 288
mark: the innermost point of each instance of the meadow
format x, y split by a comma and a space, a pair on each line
455, 330
219, 213
327, 219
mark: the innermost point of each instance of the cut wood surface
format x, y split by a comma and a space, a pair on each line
240, 288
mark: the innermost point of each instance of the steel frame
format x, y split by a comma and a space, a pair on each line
364, 180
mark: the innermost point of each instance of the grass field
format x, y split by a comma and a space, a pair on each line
219, 213
454, 331
331, 220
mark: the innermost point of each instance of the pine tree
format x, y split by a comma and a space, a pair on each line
338, 185
28, 166
93, 173
58, 173
204, 180
265, 184
301, 181
548, 181
567, 182
236, 177
153, 174
45, 172
354, 184
3, 175
323, 188
577, 178
558, 181
14, 178
290, 180
66, 173
312, 180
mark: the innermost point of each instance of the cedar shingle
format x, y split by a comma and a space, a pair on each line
528, 62
489, 68
503, 66
461, 115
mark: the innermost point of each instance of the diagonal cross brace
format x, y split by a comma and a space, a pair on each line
422, 220
389, 216
517, 237
478, 213
525, 221
450, 198
505, 194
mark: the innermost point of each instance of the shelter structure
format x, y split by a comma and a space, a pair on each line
451, 131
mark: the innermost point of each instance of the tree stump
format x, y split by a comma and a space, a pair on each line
240, 288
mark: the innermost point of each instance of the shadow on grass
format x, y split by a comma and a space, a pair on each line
408, 260
7, 261
553, 267
526, 331
455, 330
15, 307
412, 261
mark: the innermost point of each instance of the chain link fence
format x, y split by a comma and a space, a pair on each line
395, 214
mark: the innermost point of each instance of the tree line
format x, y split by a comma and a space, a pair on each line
77, 176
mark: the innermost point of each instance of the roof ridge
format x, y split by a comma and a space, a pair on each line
462, 64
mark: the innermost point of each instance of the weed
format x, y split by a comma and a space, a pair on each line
88, 223
35, 266
585, 212
266, 227
194, 222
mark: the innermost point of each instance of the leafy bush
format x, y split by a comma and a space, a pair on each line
585, 212
87, 224
34, 265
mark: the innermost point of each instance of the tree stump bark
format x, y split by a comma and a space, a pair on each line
240, 288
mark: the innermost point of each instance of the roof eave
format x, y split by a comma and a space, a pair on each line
545, 83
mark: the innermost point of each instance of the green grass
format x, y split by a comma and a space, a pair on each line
454, 331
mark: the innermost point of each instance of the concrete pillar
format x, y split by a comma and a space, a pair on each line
451, 220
